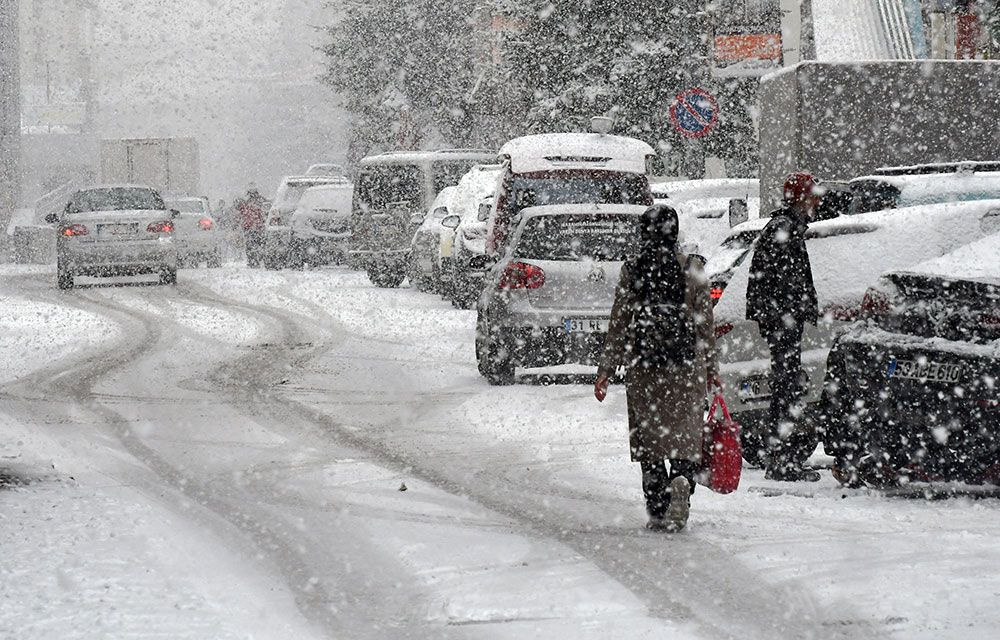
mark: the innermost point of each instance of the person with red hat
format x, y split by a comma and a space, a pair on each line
781, 298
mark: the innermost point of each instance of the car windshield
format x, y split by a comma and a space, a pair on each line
577, 187
380, 185
186, 206
115, 199
607, 237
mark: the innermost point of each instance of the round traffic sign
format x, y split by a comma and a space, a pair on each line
694, 112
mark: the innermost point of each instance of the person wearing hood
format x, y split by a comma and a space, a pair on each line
662, 331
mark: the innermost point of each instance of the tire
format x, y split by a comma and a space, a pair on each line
386, 276
168, 276
497, 361
215, 260
64, 278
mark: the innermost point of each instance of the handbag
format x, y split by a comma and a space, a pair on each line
722, 453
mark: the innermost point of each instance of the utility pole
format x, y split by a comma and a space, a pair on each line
10, 114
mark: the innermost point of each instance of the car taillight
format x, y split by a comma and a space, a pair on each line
716, 293
990, 320
874, 305
520, 275
205, 224
74, 230
163, 226
723, 329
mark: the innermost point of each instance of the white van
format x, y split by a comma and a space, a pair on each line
391, 195
567, 168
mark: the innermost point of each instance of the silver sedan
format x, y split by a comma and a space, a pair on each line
548, 300
115, 231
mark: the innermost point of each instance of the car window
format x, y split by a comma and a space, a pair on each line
186, 206
576, 188
448, 174
115, 199
578, 237
381, 184
873, 195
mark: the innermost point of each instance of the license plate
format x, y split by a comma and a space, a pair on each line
925, 371
586, 325
117, 230
754, 389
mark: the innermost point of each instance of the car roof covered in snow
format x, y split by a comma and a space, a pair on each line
680, 190
848, 254
550, 151
478, 182
418, 157
979, 260
933, 187
582, 209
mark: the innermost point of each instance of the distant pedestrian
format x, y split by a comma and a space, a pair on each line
662, 331
251, 216
781, 298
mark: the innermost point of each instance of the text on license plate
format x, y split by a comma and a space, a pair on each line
586, 325
754, 388
926, 370
115, 230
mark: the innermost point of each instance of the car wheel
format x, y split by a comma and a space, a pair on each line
498, 360
386, 276
168, 275
64, 278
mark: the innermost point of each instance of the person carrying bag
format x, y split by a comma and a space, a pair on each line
662, 332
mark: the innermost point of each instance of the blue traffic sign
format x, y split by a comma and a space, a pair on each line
694, 112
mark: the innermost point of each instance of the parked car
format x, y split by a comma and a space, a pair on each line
878, 192
567, 168
391, 196
848, 254
548, 301
114, 231
277, 229
911, 391
463, 242
196, 233
321, 226
425, 262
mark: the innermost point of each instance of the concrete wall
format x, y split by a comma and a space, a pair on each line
10, 113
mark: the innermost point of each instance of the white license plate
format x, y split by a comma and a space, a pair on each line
754, 389
586, 325
925, 371
117, 230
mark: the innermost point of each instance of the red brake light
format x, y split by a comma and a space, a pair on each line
74, 230
163, 226
205, 223
715, 292
521, 275
723, 329
875, 304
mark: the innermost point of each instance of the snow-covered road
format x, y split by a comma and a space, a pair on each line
224, 459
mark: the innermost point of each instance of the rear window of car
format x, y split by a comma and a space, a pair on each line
448, 174
290, 193
570, 187
115, 199
327, 201
187, 206
873, 195
380, 185
606, 237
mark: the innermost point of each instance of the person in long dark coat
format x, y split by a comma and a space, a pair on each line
781, 298
665, 401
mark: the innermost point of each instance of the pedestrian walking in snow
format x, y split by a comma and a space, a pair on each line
251, 217
662, 332
781, 298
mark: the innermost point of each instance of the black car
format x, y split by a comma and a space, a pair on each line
913, 390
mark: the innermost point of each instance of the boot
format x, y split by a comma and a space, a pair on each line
680, 504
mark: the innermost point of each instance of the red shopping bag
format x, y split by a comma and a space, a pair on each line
722, 452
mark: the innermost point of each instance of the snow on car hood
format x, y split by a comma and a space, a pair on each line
846, 263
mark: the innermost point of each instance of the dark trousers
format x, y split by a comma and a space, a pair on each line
656, 483
785, 344
254, 245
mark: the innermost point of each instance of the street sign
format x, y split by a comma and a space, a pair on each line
694, 113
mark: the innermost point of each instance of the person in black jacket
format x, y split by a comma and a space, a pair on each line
781, 298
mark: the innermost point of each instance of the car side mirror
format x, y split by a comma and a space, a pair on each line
52, 218
174, 213
417, 218
482, 262
451, 222
484, 212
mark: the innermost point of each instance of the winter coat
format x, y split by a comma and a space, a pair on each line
665, 403
251, 214
781, 283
